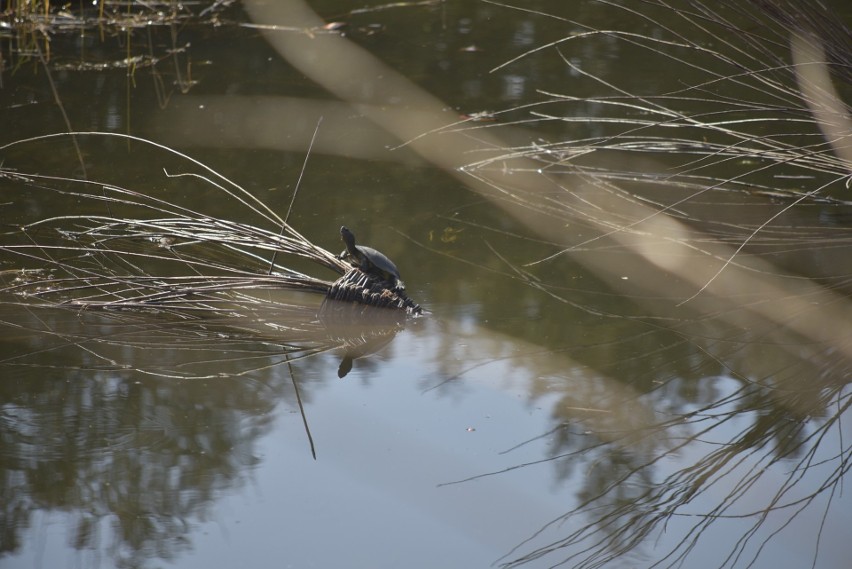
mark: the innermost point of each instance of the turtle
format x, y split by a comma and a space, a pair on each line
369, 260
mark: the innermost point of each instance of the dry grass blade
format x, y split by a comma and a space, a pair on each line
164, 254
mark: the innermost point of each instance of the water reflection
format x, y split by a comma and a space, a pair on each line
680, 456
135, 424
134, 458
362, 330
589, 410
151, 455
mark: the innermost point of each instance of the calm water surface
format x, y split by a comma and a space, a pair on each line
573, 412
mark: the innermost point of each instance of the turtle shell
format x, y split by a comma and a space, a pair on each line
378, 261
370, 260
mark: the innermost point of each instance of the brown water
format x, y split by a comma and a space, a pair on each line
600, 409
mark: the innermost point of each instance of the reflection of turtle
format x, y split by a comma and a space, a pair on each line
370, 261
361, 346
359, 330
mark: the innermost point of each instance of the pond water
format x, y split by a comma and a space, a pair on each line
635, 274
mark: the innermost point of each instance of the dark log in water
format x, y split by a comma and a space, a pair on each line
361, 287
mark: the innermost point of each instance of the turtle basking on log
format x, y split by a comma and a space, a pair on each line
370, 261
373, 280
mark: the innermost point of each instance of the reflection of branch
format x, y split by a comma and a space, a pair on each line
819, 94
255, 121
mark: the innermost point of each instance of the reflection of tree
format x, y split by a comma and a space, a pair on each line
669, 442
143, 455
772, 440
136, 415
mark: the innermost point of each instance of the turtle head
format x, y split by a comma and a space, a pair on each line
349, 239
